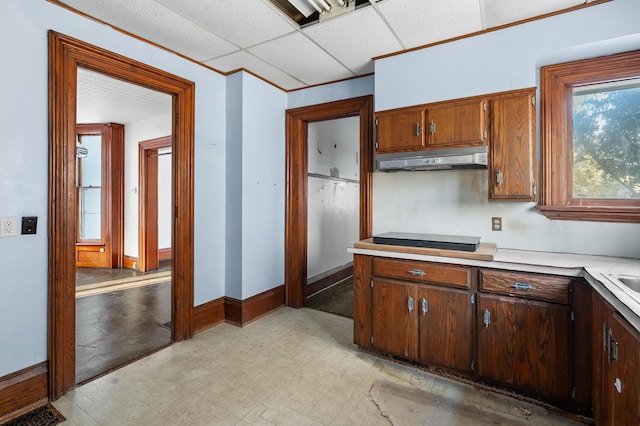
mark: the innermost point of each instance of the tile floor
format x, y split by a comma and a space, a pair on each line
292, 367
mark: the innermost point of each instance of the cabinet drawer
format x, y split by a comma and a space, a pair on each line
534, 286
458, 276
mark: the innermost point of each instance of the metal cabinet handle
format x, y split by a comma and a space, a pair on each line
410, 304
499, 177
418, 129
425, 306
613, 354
486, 318
416, 272
522, 286
433, 128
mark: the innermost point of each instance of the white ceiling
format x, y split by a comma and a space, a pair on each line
256, 35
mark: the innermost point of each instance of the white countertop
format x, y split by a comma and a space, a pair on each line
595, 269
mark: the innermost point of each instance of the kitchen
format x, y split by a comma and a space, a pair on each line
443, 202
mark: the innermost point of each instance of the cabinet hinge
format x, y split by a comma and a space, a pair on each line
473, 299
372, 340
376, 145
533, 100
473, 365
484, 106
573, 393
535, 189
573, 315
371, 283
485, 134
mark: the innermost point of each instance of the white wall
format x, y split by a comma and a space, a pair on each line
455, 202
24, 166
331, 92
134, 133
333, 195
164, 200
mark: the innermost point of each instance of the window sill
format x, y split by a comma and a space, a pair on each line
592, 213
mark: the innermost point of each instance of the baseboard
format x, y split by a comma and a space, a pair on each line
130, 262
23, 390
208, 314
164, 254
328, 280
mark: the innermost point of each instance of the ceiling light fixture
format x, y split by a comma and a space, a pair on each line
315, 6
307, 12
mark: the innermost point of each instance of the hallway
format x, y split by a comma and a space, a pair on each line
114, 328
292, 367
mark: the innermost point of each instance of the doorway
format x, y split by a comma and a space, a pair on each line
66, 55
296, 234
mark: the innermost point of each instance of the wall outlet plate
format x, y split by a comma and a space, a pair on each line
8, 227
496, 224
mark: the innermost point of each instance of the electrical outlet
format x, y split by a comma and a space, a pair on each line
29, 225
496, 224
8, 227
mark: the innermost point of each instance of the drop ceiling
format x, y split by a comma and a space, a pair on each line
256, 35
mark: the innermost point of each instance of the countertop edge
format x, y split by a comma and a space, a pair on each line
592, 268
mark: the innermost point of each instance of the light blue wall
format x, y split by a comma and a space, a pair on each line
24, 166
233, 198
331, 92
455, 202
263, 185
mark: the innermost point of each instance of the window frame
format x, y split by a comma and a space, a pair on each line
556, 138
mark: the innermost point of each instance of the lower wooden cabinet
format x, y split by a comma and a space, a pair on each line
395, 324
525, 344
616, 367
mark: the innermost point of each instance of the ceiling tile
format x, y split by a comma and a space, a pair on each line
257, 66
350, 38
243, 23
302, 58
102, 99
420, 22
500, 12
154, 22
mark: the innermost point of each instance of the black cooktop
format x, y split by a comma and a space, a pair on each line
438, 241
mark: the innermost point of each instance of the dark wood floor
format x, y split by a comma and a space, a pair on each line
115, 328
337, 299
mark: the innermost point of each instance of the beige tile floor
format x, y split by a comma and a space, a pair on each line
292, 367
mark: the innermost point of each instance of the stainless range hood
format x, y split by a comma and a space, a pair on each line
441, 159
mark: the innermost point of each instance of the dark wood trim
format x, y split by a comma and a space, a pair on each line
492, 29
22, 391
130, 262
164, 253
320, 284
208, 314
148, 249
296, 184
66, 54
242, 312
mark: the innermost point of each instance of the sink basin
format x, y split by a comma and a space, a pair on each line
633, 282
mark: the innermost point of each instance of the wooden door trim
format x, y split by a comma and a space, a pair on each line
148, 202
297, 120
66, 54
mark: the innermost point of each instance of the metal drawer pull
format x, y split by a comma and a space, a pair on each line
418, 129
417, 272
499, 177
522, 286
410, 304
425, 306
614, 350
486, 318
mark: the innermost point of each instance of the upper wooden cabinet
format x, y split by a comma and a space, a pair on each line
454, 124
400, 130
512, 147
432, 126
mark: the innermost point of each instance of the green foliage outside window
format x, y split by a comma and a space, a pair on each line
606, 144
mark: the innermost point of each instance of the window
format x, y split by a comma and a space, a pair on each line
590, 139
89, 187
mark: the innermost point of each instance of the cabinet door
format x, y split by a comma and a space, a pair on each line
624, 375
454, 124
445, 317
602, 403
512, 150
525, 344
400, 130
395, 328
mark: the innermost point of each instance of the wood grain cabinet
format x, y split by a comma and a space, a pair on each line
512, 147
616, 367
524, 341
458, 123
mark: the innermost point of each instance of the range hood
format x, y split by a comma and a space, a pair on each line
440, 159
